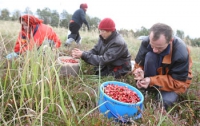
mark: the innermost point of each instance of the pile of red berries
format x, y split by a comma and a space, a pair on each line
121, 93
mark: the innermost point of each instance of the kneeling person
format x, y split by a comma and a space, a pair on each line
110, 53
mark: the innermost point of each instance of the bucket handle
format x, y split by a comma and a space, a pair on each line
122, 119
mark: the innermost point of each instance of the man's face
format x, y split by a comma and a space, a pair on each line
158, 45
105, 34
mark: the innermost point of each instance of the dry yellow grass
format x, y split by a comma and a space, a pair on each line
10, 29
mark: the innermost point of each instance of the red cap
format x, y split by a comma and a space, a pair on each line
83, 5
107, 24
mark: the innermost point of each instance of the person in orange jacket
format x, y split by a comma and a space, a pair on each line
163, 61
33, 33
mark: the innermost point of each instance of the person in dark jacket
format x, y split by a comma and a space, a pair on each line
78, 18
110, 53
163, 61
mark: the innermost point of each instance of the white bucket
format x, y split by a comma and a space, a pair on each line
132, 64
68, 68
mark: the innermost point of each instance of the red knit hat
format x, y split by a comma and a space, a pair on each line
83, 6
107, 24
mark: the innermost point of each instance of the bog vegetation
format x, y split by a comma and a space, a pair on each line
32, 92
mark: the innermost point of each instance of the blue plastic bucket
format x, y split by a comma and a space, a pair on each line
119, 110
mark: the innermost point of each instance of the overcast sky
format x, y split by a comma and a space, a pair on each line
129, 14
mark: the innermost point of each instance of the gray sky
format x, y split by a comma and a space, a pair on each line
129, 14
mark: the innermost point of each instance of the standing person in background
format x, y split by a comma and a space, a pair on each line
163, 61
33, 33
110, 53
78, 18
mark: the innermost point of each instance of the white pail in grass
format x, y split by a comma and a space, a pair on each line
132, 64
68, 65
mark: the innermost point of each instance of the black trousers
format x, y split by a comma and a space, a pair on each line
74, 28
108, 71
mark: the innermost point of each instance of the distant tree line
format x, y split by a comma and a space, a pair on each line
190, 41
53, 18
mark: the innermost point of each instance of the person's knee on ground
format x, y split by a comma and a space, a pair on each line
168, 98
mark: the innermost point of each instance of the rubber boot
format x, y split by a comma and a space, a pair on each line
69, 41
78, 41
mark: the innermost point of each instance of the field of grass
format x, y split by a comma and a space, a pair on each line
32, 92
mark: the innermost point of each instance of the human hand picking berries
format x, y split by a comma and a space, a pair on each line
139, 74
143, 83
77, 53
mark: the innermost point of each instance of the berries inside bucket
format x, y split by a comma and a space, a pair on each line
121, 93
69, 60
